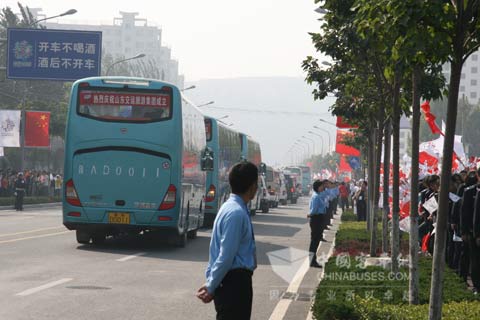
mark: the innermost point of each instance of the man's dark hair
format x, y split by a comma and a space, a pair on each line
242, 176
317, 184
471, 179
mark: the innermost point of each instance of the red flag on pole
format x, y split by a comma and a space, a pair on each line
342, 148
37, 129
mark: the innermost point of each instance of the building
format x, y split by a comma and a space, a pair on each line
127, 37
470, 78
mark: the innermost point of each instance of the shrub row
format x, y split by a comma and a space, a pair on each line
10, 201
347, 281
373, 309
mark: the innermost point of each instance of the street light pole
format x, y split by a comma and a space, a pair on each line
321, 139
66, 13
188, 88
138, 56
304, 151
308, 146
329, 139
313, 144
206, 104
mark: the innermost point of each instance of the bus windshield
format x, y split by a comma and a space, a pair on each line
130, 106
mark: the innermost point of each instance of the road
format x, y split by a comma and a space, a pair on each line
45, 274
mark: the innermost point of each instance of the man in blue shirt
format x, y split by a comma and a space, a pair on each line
317, 215
232, 249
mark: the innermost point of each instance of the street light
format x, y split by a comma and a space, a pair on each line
66, 13
138, 56
329, 139
307, 144
188, 88
321, 10
304, 151
311, 132
326, 63
206, 104
313, 144
224, 117
330, 123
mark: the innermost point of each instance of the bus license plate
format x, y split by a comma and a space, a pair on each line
118, 218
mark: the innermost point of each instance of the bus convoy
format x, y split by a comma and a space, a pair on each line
141, 158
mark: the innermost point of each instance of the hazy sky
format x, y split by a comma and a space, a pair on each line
213, 38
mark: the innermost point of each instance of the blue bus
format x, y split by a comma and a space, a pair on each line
251, 152
226, 147
306, 179
135, 154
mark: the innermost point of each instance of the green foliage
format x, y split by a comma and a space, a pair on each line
374, 309
348, 216
29, 200
328, 161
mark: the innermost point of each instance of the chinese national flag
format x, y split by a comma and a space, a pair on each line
36, 129
343, 148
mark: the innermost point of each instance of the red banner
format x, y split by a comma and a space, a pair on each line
430, 118
37, 129
342, 124
342, 148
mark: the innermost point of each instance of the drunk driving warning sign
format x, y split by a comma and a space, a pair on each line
53, 54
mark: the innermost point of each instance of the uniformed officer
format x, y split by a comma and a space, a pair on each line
20, 187
317, 215
232, 249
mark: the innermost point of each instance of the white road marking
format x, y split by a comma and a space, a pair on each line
35, 237
133, 256
30, 231
43, 287
282, 306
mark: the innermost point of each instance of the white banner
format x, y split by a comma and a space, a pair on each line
10, 128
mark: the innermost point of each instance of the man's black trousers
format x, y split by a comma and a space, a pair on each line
233, 298
317, 224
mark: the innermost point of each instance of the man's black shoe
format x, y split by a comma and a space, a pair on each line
315, 264
323, 240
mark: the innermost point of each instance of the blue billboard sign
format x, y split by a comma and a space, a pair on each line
53, 54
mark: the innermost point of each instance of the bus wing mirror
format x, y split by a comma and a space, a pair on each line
207, 160
262, 168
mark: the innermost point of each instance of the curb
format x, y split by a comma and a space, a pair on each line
34, 206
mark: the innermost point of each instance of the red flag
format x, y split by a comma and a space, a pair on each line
343, 148
344, 166
36, 129
343, 124
430, 118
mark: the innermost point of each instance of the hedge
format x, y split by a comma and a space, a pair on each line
342, 285
373, 309
10, 201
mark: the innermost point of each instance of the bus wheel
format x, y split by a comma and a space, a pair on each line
265, 207
83, 237
192, 234
179, 240
98, 238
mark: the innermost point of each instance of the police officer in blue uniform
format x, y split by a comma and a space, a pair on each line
232, 249
317, 215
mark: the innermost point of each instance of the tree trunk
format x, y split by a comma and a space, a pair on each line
396, 172
386, 185
414, 247
438, 264
371, 170
376, 188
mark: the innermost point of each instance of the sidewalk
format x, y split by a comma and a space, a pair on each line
301, 301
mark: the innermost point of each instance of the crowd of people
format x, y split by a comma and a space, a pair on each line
463, 241
37, 183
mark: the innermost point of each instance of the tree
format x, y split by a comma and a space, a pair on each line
462, 24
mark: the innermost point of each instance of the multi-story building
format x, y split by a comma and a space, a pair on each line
470, 78
128, 36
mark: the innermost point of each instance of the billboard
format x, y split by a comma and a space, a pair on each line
65, 55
